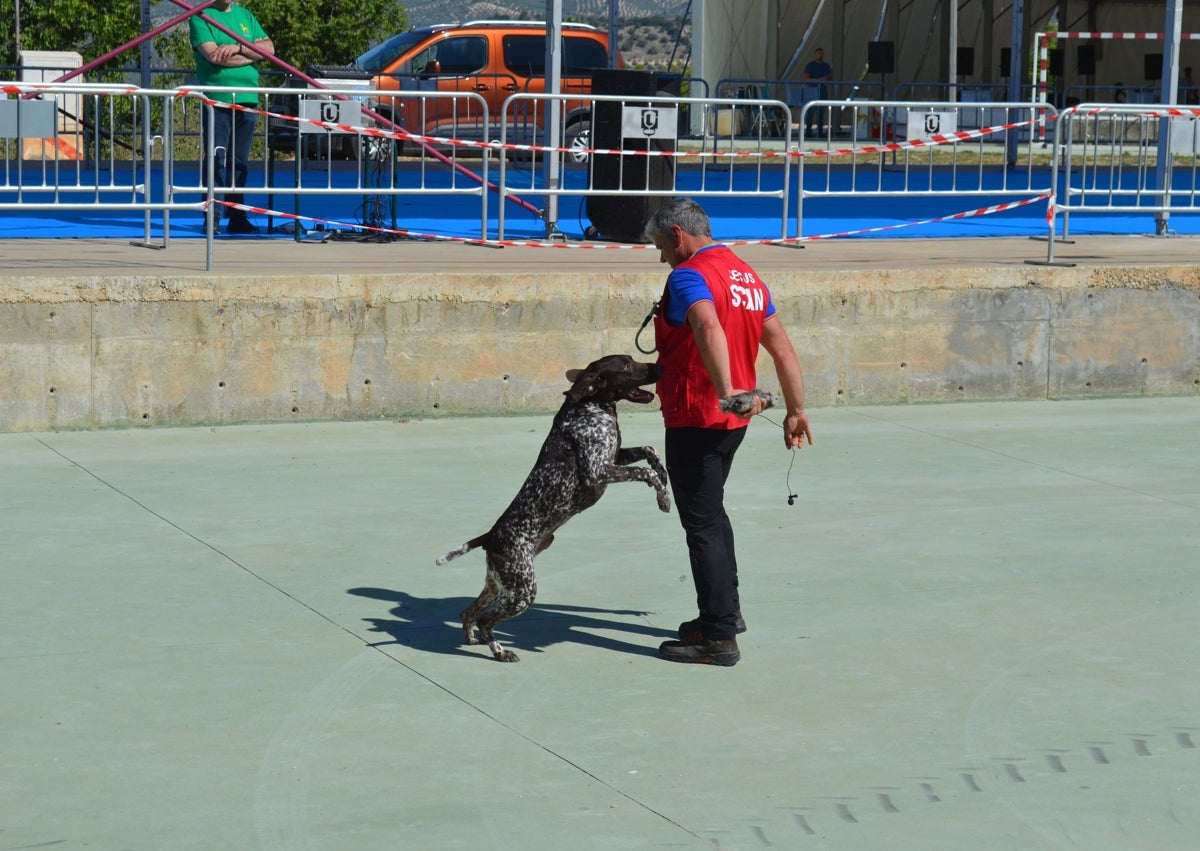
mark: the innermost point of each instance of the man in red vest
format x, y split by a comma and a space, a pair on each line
714, 314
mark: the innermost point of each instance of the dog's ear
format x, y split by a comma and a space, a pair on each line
583, 384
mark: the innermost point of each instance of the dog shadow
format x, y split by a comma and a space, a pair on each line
433, 625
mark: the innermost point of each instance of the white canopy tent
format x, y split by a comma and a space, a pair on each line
774, 39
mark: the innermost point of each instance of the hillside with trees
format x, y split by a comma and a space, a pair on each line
653, 33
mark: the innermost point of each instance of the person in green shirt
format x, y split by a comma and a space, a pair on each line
222, 60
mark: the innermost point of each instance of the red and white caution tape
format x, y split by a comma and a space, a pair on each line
982, 211
516, 243
1123, 35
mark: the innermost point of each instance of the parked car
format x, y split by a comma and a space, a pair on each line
494, 59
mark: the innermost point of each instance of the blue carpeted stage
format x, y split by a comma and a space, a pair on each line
734, 217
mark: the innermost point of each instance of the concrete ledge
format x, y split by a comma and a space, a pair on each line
127, 349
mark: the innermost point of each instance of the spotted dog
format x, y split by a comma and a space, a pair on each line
581, 456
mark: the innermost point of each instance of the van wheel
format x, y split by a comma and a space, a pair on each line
578, 138
348, 147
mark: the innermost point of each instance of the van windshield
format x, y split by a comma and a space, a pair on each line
383, 54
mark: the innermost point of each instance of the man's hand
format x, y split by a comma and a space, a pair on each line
223, 53
747, 403
795, 430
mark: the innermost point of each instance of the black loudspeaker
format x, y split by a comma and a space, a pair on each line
1005, 61
1085, 59
1154, 63
881, 57
621, 218
966, 62
1055, 63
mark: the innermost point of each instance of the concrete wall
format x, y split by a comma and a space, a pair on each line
159, 350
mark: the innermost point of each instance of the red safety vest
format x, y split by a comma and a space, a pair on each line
687, 394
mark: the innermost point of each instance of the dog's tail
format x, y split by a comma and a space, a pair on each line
463, 550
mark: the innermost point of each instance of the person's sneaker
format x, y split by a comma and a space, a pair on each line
241, 225
700, 650
689, 628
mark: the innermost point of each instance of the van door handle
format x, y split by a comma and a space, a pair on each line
480, 88
510, 87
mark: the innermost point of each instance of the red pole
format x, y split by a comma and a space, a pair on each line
315, 83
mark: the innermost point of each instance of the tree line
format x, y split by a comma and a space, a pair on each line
321, 32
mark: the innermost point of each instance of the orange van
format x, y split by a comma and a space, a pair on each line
494, 59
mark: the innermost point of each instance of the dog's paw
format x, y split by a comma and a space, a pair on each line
664, 502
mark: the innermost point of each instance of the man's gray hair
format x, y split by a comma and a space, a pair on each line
684, 212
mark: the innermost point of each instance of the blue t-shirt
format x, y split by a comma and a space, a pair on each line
816, 70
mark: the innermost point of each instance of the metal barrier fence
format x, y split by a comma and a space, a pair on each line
796, 93
62, 149
919, 149
344, 140
1122, 158
1116, 94
80, 146
963, 92
143, 149
630, 147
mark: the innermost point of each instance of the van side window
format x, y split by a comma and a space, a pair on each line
458, 56
525, 55
582, 56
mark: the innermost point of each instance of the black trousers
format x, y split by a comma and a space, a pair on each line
698, 463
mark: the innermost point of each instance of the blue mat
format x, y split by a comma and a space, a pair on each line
734, 217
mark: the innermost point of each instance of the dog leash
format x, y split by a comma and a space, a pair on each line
792, 497
638, 336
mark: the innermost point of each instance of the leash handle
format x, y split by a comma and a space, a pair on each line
638, 336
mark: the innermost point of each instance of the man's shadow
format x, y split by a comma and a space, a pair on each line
433, 625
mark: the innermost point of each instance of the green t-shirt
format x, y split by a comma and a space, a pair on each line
240, 21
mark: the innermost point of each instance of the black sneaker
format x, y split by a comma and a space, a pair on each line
689, 628
703, 651
241, 225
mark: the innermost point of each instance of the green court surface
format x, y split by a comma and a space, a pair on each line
975, 629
